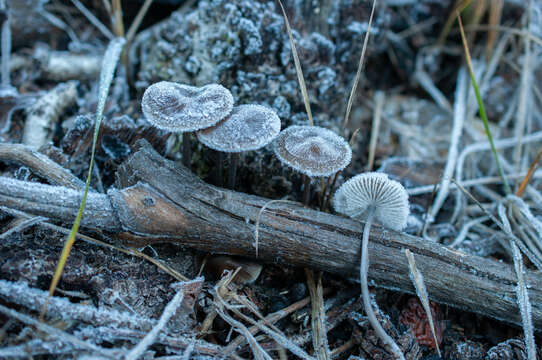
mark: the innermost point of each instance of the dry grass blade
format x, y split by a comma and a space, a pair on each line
421, 290
460, 5
360, 67
495, 13
298, 69
137, 20
527, 178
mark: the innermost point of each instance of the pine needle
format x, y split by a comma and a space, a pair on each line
298, 69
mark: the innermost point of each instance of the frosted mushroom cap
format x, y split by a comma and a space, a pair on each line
389, 198
248, 127
181, 108
312, 150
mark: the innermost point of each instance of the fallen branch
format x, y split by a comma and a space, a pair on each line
158, 201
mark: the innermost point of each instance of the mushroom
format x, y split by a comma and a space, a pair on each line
313, 151
183, 108
248, 127
371, 196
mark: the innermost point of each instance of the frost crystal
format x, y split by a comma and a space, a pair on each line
249, 127
313, 150
181, 108
389, 198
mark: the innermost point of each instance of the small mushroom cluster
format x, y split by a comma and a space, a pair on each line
210, 111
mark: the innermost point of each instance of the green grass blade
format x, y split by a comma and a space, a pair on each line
481, 107
110, 60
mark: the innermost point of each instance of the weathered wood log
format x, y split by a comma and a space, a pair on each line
159, 201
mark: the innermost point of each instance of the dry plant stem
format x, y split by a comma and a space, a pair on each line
40, 164
271, 319
363, 270
232, 171
187, 149
525, 94
93, 20
158, 201
319, 333
42, 115
459, 117
377, 117
360, 67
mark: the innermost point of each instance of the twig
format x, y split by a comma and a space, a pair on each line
93, 20
40, 164
59, 334
32, 298
45, 112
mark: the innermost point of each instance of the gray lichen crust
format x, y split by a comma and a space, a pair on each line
388, 197
312, 150
248, 127
181, 108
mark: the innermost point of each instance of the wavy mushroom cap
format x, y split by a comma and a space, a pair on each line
312, 150
181, 108
389, 198
248, 127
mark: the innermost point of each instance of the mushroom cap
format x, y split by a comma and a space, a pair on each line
248, 127
312, 150
389, 198
181, 108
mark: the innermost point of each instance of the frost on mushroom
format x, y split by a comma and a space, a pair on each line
313, 150
182, 108
248, 127
388, 197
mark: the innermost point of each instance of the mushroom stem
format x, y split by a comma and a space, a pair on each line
364, 267
232, 173
187, 150
306, 189
218, 168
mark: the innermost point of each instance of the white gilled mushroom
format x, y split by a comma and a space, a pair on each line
313, 151
371, 196
248, 127
183, 108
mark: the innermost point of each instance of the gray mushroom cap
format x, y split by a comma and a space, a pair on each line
248, 127
312, 150
182, 108
389, 198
